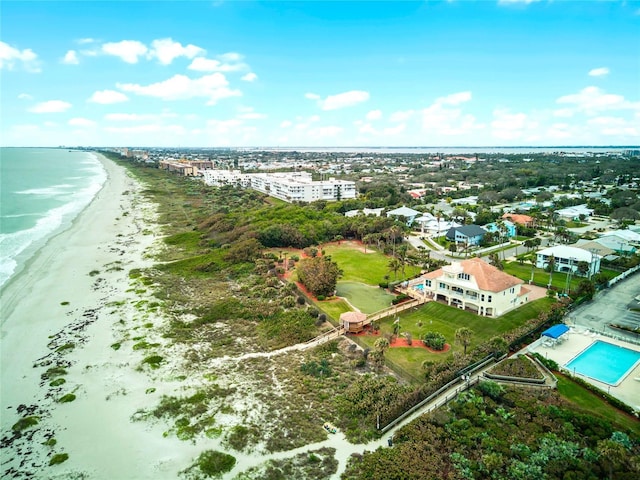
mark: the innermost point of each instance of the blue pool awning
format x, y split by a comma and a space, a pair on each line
555, 331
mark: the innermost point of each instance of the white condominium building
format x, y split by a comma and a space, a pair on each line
287, 186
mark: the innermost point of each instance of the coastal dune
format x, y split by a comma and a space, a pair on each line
59, 312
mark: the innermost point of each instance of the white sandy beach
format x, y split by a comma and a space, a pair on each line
95, 429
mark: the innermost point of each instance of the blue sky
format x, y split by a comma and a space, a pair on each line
241, 73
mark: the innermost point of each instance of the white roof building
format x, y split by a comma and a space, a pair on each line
566, 259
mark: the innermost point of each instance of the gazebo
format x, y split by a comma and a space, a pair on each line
353, 322
555, 334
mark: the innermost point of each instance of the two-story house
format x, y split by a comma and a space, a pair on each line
469, 234
473, 285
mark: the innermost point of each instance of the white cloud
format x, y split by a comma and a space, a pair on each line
25, 96
52, 106
374, 115
71, 58
454, 98
11, 57
342, 100
138, 117
614, 126
324, 132
106, 97
179, 87
84, 41
249, 77
510, 126
591, 100
201, 64
166, 50
390, 131
312, 96
441, 118
252, 116
231, 57
152, 128
285, 124
127, 50
599, 72
81, 122
401, 116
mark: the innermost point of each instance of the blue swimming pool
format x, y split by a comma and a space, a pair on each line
604, 362
419, 287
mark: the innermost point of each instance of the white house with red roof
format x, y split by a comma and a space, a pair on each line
473, 285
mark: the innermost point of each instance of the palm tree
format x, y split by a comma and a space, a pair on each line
551, 265
394, 266
381, 345
463, 337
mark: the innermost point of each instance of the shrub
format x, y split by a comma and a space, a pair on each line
59, 458
153, 361
25, 423
491, 389
400, 298
57, 382
69, 397
434, 340
383, 284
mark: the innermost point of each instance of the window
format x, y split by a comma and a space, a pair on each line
443, 286
482, 297
464, 276
427, 283
489, 299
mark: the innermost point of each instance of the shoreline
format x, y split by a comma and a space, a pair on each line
58, 312
34, 250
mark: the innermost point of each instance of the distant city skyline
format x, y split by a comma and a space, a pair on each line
431, 74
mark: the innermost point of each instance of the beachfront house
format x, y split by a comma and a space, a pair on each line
566, 258
467, 234
473, 285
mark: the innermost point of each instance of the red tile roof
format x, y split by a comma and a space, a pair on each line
518, 218
488, 277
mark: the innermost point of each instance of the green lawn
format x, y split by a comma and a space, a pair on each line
366, 298
333, 308
369, 268
591, 403
540, 276
446, 320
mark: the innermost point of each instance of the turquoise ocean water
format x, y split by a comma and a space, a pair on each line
41, 192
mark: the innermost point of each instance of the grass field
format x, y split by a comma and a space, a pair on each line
369, 268
446, 320
592, 404
366, 298
540, 276
333, 308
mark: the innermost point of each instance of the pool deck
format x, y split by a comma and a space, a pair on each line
577, 340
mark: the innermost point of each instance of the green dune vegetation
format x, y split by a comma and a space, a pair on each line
224, 281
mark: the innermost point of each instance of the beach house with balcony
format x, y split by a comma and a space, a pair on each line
473, 285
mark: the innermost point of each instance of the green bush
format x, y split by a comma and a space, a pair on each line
69, 397
153, 361
434, 340
59, 458
213, 463
25, 423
